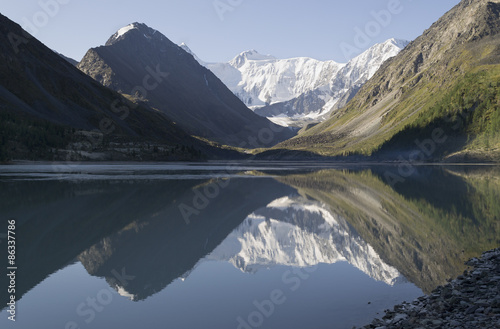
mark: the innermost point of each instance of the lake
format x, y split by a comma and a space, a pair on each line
236, 245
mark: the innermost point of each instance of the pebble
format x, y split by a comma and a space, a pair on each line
470, 301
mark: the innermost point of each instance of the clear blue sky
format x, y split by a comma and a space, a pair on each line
283, 28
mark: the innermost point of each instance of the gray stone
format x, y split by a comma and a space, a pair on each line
473, 302
400, 317
471, 309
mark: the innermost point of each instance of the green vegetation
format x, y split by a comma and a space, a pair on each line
467, 109
447, 78
26, 138
30, 138
469, 114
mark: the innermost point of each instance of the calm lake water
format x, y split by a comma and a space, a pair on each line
254, 245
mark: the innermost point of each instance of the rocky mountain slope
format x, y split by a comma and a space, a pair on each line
442, 87
50, 110
142, 63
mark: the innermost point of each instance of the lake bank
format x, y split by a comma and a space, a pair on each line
470, 301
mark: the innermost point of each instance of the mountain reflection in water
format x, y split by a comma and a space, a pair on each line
419, 231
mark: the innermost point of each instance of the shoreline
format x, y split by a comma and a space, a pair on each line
317, 163
470, 301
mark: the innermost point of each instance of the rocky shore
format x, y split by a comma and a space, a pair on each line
470, 301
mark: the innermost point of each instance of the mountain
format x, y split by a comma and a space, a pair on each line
260, 80
437, 99
317, 104
142, 63
297, 90
50, 110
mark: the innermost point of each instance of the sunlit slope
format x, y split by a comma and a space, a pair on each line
452, 69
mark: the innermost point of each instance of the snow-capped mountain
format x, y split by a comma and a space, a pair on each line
141, 62
361, 68
317, 104
298, 89
248, 56
294, 231
259, 80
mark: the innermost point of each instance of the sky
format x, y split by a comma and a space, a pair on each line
218, 30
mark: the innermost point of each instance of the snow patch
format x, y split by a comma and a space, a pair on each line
124, 293
189, 51
124, 30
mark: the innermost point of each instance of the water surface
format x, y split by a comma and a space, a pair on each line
252, 245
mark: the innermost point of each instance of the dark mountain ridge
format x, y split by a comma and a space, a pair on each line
49, 107
141, 62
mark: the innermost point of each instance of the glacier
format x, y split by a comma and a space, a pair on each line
296, 91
